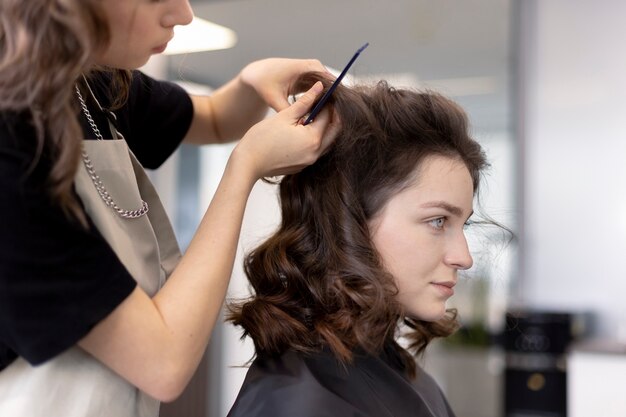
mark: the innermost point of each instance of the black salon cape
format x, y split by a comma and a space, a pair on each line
296, 385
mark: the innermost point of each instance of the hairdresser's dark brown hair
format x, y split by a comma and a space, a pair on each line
319, 281
45, 46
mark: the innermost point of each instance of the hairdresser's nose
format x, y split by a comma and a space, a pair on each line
179, 14
458, 255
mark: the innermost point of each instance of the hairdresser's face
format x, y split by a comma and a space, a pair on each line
140, 29
420, 236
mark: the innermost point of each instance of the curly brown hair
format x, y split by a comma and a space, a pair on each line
318, 280
45, 47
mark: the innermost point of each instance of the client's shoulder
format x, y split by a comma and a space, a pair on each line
293, 384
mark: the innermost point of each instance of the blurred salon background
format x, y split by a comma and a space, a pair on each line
543, 82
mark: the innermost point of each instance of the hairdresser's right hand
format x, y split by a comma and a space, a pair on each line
281, 144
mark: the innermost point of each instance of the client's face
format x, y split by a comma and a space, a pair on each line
420, 236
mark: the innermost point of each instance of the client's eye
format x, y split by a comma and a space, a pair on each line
438, 223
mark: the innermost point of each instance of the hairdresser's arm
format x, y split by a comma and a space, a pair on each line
156, 343
229, 112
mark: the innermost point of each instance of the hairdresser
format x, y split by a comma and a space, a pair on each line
100, 315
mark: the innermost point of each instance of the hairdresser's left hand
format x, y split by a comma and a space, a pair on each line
242, 102
273, 78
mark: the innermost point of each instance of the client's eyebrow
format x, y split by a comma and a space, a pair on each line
457, 211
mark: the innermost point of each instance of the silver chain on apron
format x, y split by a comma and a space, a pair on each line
97, 182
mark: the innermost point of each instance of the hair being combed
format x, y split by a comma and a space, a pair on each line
45, 46
318, 280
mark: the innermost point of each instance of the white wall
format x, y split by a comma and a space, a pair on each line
574, 79
596, 383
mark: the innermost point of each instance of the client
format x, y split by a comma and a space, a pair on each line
354, 283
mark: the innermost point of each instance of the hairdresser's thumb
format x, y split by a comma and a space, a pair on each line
304, 104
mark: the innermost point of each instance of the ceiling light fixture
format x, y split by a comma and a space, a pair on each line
199, 36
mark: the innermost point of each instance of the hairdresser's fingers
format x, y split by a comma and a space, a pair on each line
274, 79
327, 125
301, 107
279, 100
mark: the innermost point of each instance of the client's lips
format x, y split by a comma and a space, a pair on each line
445, 287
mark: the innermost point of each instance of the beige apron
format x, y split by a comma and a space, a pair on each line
74, 384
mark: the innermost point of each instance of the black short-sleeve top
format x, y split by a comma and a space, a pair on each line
58, 279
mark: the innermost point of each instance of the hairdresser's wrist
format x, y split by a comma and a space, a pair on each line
243, 164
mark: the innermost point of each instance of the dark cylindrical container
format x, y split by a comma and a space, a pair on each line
536, 343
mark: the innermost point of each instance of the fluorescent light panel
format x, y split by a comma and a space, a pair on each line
200, 35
